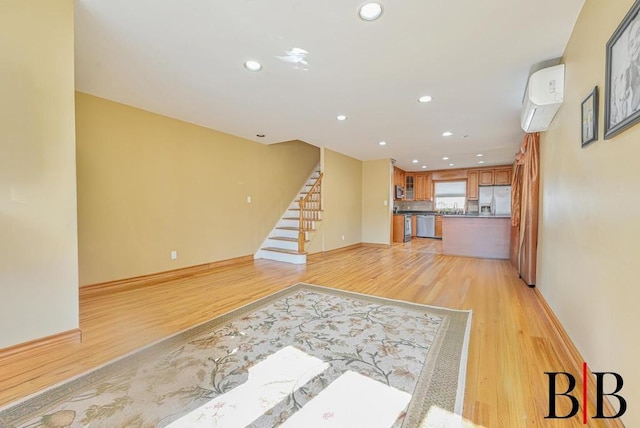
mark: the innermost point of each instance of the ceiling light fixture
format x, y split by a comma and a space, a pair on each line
479, 155
424, 167
447, 134
253, 66
480, 161
445, 158
424, 99
260, 135
415, 161
341, 117
450, 164
370, 11
382, 143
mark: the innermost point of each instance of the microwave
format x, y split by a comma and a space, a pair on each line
399, 192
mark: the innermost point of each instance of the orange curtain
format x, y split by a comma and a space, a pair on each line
524, 208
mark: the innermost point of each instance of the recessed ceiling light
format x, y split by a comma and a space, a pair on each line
341, 117
370, 11
447, 134
445, 158
260, 135
479, 155
415, 161
465, 136
253, 66
383, 143
425, 99
424, 167
450, 164
480, 161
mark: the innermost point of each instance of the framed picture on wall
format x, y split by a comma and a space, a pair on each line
589, 118
622, 79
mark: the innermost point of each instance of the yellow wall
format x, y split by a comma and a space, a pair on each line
590, 236
38, 247
342, 203
377, 203
149, 185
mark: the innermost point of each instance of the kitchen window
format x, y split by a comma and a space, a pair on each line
449, 195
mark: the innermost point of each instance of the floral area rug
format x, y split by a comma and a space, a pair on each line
304, 356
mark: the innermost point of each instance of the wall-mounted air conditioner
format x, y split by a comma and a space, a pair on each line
542, 98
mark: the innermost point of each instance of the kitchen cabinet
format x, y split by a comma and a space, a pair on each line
472, 185
398, 176
414, 229
409, 186
438, 226
486, 177
398, 228
423, 184
502, 176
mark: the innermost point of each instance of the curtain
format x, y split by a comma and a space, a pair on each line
524, 208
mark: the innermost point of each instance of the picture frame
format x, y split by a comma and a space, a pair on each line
589, 118
622, 75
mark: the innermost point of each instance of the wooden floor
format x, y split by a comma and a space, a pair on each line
512, 341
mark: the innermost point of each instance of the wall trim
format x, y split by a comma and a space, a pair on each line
322, 254
576, 360
158, 277
69, 337
374, 245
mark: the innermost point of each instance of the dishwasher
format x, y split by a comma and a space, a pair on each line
426, 226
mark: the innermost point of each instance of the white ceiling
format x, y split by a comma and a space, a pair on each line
184, 59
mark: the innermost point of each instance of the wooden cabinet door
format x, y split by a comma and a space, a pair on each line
428, 188
409, 187
398, 228
421, 180
472, 186
439, 226
502, 176
414, 229
486, 178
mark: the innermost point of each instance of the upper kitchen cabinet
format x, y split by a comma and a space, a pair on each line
423, 184
398, 176
486, 177
502, 176
472, 185
409, 186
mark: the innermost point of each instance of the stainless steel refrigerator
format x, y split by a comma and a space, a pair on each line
495, 200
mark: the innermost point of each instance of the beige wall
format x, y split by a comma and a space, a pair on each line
590, 236
38, 247
149, 185
376, 198
342, 203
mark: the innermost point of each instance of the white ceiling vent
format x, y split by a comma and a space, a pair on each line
542, 98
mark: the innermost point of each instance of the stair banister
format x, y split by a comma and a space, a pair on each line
310, 207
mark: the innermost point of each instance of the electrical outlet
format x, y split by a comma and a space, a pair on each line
385, 202
343, 237
174, 255
248, 199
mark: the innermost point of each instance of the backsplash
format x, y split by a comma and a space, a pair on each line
414, 205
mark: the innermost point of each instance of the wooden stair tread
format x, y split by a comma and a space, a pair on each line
282, 250
294, 228
304, 218
284, 238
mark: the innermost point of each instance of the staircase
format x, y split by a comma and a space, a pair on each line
287, 241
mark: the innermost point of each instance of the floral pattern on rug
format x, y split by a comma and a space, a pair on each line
377, 338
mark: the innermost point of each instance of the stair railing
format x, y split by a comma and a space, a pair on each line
310, 207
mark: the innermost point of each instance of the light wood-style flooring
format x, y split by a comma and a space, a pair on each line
512, 341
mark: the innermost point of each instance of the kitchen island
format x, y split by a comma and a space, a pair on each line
476, 235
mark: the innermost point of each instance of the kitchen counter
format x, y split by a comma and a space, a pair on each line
476, 236
477, 215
